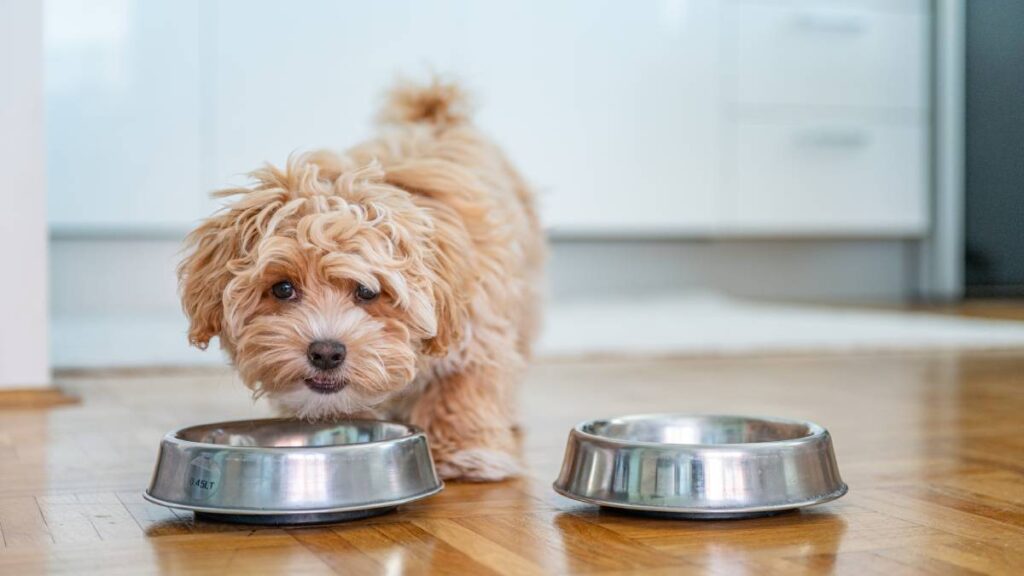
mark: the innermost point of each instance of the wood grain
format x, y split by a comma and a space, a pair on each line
34, 398
930, 444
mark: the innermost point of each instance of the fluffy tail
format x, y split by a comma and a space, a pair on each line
437, 102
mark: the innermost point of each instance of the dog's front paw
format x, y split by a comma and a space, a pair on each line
479, 465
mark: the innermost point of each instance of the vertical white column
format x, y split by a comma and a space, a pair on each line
24, 355
942, 253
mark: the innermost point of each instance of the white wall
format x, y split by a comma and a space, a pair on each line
23, 306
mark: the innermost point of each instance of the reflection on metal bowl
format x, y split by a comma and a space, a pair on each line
700, 466
282, 471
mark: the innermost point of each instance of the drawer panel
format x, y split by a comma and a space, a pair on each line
828, 177
821, 53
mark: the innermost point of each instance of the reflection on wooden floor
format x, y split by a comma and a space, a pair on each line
931, 445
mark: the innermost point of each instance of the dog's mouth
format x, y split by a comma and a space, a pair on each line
325, 384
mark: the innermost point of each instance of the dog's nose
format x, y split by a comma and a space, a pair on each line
326, 354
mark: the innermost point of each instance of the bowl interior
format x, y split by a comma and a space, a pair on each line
294, 433
671, 429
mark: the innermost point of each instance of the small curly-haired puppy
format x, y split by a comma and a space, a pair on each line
399, 279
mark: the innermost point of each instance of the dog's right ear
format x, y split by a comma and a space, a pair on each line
203, 275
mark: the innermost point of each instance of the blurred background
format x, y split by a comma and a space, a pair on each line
715, 176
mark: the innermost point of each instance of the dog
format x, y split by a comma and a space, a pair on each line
401, 279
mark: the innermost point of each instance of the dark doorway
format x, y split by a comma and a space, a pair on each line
995, 148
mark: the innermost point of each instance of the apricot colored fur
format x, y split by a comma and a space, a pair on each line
432, 215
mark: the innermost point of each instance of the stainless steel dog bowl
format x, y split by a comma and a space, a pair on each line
700, 466
281, 471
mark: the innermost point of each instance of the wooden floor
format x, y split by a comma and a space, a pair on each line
932, 446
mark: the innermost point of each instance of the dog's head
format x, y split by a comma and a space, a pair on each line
325, 284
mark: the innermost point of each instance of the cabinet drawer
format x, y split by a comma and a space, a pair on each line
827, 53
829, 177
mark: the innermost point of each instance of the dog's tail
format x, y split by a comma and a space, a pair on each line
437, 102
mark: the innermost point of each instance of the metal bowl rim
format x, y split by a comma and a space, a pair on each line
286, 511
838, 493
817, 432
172, 437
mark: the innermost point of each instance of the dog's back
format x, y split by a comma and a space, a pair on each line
429, 146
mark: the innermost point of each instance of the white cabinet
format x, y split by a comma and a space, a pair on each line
827, 118
701, 118
815, 53
827, 176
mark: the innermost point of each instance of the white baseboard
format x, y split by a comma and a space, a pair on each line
693, 325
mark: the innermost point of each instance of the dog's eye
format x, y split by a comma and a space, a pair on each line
283, 290
364, 294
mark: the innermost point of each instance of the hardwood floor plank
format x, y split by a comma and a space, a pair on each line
971, 502
1002, 486
863, 562
541, 538
487, 552
67, 520
335, 551
151, 519
34, 398
403, 547
271, 552
953, 555
23, 523
912, 504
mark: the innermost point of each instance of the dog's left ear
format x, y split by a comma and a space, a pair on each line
203, 275
450, 276
451, 286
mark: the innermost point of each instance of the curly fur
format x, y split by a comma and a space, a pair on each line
430, 214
